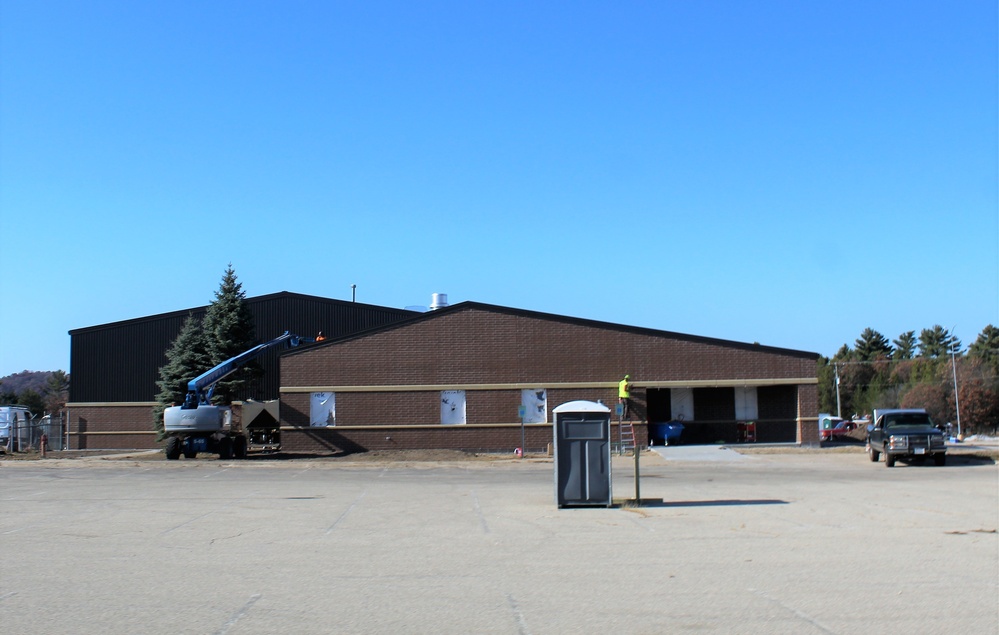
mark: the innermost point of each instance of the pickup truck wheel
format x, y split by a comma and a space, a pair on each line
889, 460
874, 454
940, 459
172, 449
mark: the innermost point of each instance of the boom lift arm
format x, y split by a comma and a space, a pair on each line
200, 389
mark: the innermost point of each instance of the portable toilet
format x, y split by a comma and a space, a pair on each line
582, 454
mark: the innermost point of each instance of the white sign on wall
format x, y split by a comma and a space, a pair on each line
322, 409
452, 407
535, 404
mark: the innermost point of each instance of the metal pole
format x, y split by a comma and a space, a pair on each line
353, 293
957, 403
838, 408
638, 495
522, 414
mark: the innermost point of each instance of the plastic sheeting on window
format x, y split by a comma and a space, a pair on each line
535, 403
322, 409
682, 404
746, 408
452, 407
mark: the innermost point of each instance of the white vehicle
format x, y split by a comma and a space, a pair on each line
12, 418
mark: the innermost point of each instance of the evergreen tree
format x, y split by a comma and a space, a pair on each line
187, 358
844, 354
33, 401
905, 345
229, 331
827, 385
56, 392
986, 348
872, 345
938, 342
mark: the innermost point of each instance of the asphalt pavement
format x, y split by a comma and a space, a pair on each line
796, 543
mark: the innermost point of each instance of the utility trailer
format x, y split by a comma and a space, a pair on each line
198, 426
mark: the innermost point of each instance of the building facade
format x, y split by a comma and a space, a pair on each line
466, 376
114, 367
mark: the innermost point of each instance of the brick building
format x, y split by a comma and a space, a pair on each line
461, 377
114, 367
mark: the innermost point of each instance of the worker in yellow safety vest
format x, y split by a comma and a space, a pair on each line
624, 394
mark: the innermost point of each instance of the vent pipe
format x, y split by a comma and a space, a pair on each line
438, 301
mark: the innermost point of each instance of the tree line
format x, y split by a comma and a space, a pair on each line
226, 331
42, 392
916, 372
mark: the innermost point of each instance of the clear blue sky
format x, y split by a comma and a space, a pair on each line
784, 172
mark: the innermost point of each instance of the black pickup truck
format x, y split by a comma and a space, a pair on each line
905, 434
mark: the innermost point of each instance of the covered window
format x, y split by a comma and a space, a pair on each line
452, 407
322, 409
746, 408
535, 404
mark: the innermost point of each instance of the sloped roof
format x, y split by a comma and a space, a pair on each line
637, 330
270, 297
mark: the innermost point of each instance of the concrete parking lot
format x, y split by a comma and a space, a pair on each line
809, 542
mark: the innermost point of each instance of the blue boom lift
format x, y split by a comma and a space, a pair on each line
198, 426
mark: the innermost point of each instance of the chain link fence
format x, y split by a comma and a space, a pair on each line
27, 435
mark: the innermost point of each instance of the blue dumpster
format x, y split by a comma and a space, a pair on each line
665, 433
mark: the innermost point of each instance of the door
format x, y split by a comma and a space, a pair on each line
583, 453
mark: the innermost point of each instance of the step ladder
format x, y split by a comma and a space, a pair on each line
626, 437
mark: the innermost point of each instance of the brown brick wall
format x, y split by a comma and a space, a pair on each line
808, 415
473, 438
479, 346
111, 427
476, 346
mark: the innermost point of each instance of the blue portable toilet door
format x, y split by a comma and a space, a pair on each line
584, 461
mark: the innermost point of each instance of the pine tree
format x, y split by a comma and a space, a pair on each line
229, 331
905, 345
938, 342
844, 354
56, 392
872, 345
986, 347
186, 359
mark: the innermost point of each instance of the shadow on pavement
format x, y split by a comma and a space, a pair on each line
654, 502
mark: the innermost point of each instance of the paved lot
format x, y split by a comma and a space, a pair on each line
788, 543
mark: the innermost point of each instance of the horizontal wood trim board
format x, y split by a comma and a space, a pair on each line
709, 383
422, 426
440, 426
110, 434
113, 404
433, 426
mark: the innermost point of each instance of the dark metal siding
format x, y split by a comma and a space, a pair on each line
120, 362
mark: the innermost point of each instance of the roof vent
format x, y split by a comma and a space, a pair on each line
438, 301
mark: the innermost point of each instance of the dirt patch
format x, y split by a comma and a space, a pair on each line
374, 456
418, 455
35, 455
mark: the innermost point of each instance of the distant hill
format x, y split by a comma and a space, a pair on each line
25, 380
